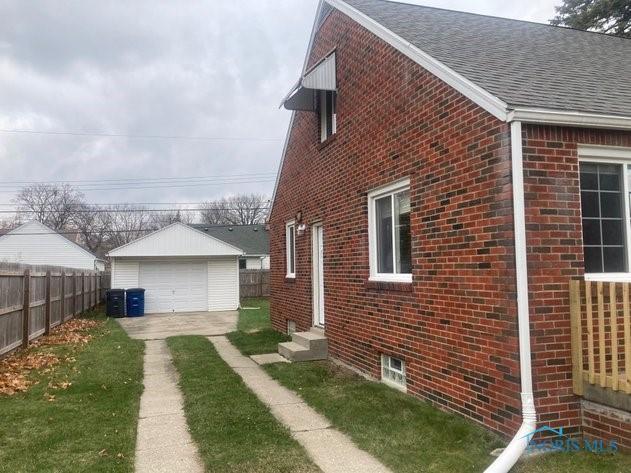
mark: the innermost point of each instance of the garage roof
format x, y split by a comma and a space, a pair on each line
252, 239
177, 239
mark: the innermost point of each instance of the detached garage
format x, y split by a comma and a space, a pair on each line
181, 269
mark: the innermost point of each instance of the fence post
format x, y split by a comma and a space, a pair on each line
82, 292
97, 298
48, 303
26, 307
62, 306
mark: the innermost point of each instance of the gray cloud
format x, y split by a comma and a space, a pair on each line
215, 68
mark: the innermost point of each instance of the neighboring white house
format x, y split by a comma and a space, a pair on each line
252, 239
35, 243
181, 269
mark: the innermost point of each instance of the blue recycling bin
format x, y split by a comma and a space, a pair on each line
135, 302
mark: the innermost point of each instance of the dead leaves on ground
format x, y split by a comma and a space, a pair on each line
15, 369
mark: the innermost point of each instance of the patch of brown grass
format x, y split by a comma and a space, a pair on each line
15, 369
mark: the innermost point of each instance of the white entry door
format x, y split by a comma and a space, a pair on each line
317, 274
174, 286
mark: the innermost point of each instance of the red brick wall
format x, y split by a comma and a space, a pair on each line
455, 326
607, 424
555, 255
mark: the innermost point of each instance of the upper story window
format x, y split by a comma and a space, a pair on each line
606, 218
290, 244
326, 106
389, 233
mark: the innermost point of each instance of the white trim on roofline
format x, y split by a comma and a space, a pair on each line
169, 226
477, 94
568, 118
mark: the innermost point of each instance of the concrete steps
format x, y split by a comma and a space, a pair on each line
305, 346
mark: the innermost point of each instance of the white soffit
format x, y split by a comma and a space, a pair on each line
477, 94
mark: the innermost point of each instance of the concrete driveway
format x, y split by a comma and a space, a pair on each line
160, 326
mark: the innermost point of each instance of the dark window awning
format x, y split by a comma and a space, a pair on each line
322, 76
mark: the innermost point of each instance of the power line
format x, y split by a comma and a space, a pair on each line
171, 186
105, 232
138, 179
200, 209
125, 135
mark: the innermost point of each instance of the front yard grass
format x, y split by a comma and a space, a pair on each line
81, 414
254, 334
233, 430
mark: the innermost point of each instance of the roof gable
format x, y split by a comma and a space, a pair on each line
35, 228
177, 239
35, 243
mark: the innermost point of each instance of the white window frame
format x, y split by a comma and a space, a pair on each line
289, 227
386, 368
323, 116
373, 196
619, 156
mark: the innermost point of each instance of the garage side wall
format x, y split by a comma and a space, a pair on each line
223, 283
124, 274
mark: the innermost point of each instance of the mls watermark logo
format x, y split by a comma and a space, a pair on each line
558, 442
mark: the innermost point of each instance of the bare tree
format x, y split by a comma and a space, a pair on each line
163, 219
242, 209
94, 227
128, 223
52, 205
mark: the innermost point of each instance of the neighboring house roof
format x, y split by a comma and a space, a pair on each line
24, 244
524, 64
252, 239
176, 239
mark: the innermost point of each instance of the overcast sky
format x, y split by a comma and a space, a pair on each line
213, 69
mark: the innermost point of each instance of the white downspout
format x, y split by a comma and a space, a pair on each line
519, 443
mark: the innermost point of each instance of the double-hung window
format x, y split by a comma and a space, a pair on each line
389, 233
290, 245
328, 117
605, 176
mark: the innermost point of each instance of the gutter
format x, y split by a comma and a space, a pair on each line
520, 441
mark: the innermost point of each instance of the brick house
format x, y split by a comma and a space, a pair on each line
445, 177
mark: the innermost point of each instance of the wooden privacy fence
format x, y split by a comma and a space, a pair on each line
254, 282
35, 299
601, 335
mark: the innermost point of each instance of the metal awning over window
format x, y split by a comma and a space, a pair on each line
320, 77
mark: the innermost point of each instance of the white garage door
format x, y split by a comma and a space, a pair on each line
174, 286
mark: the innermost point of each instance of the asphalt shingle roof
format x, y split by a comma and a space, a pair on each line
524, 64
253, 239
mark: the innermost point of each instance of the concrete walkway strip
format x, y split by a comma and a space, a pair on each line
331, 450
164, 443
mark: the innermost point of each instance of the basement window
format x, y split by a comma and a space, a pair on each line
328, 117
393, 372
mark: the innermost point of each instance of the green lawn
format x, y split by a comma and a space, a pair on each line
254, 315
254, 334
406, 434
233, 430
91, 425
